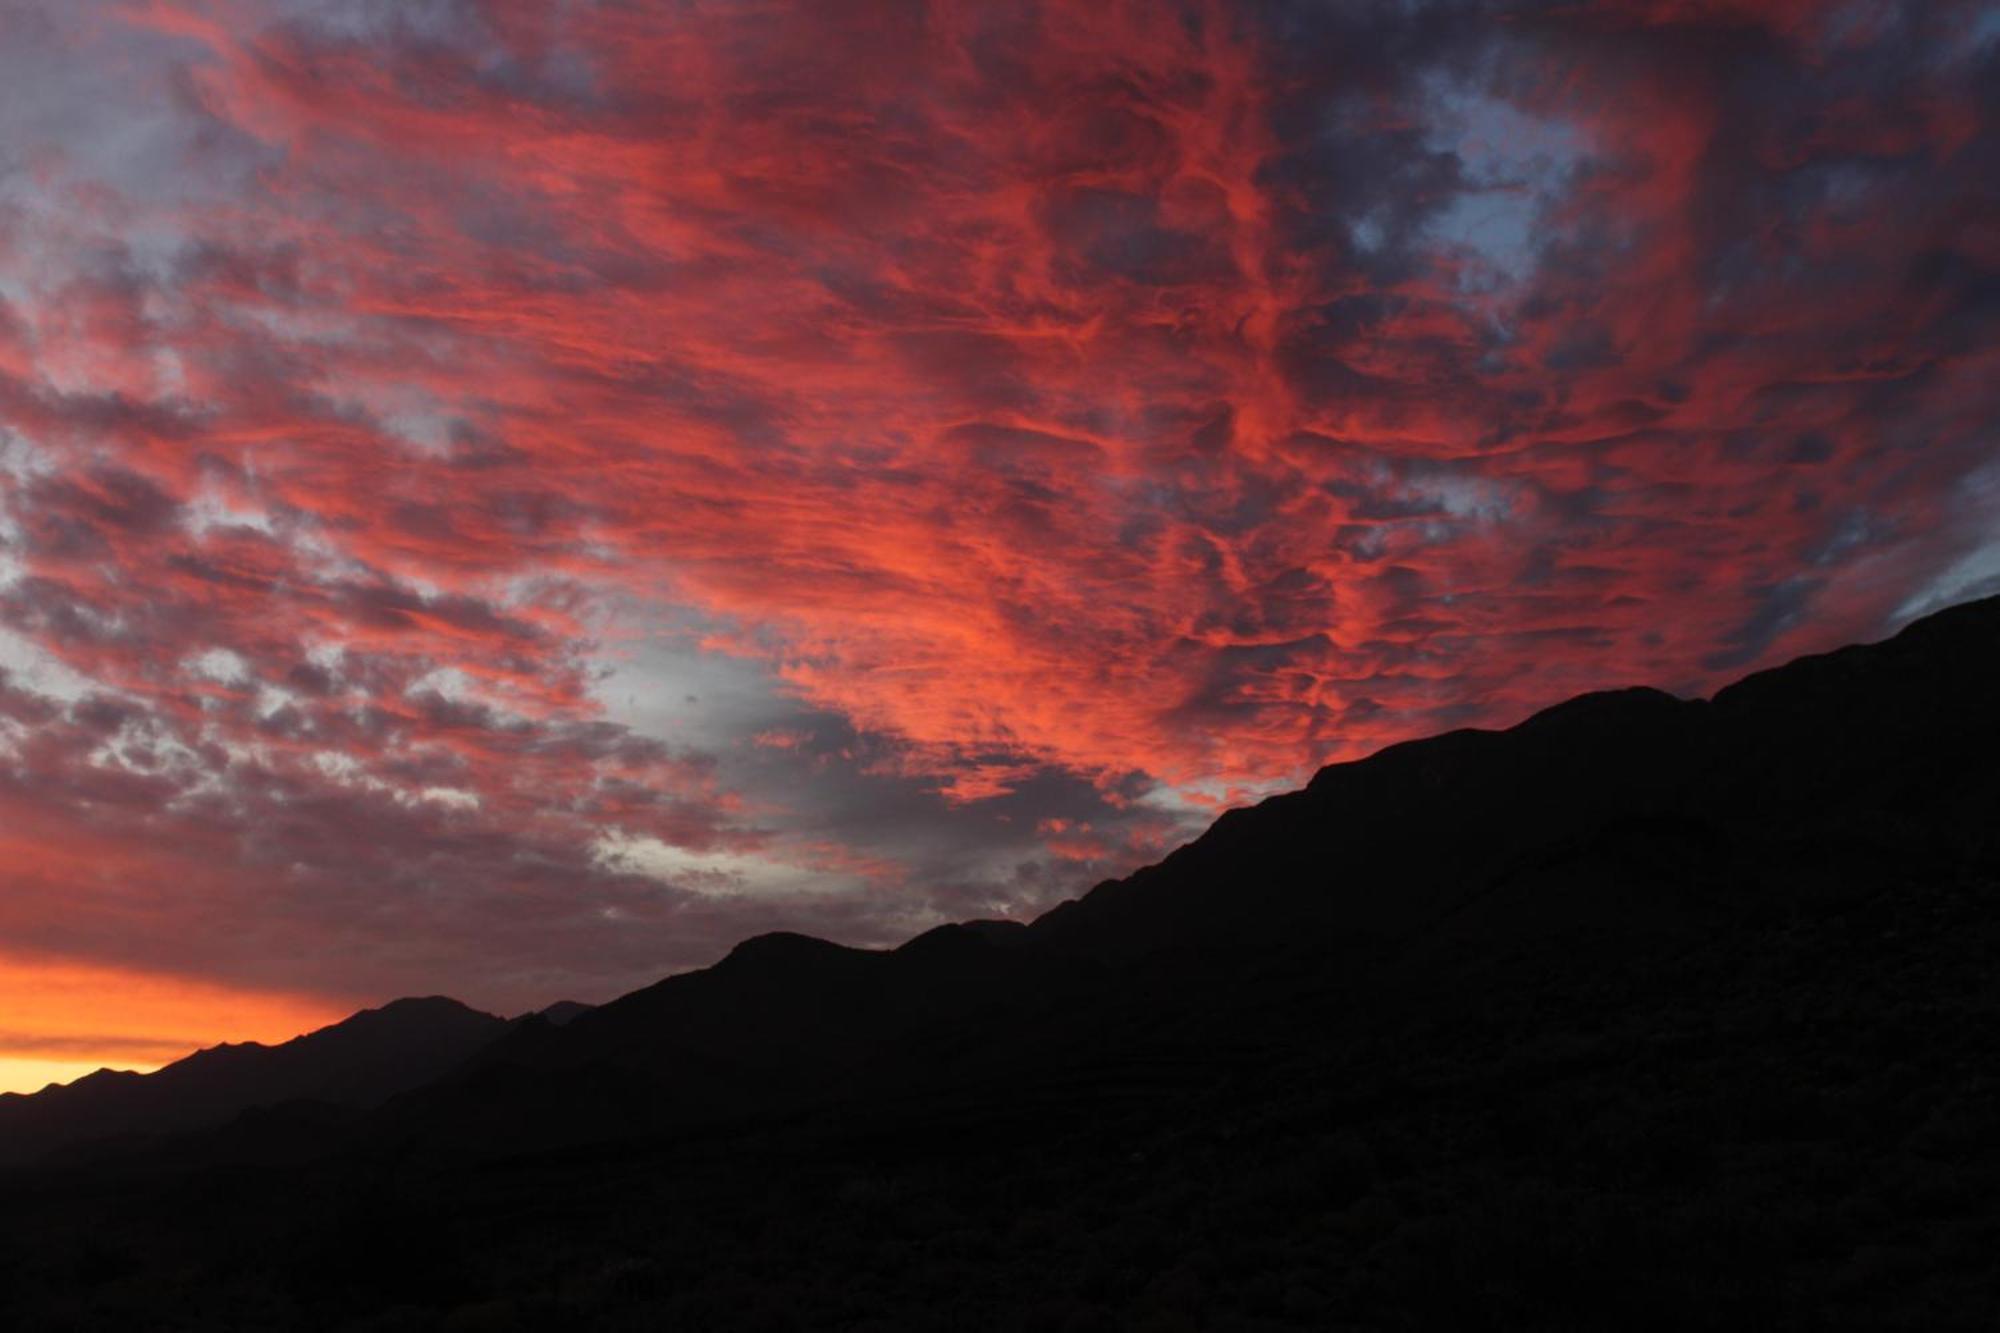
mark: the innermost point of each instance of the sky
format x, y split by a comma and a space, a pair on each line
507, 499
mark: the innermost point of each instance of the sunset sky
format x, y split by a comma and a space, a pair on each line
506, 498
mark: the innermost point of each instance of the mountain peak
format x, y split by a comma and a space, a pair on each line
787, 948
961, 935
1632, 701
358, 1062
412, 1008
563, 1011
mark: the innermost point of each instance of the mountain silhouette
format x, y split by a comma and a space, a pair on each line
1646, 1012
562, 1011
1603, 832
356, 1063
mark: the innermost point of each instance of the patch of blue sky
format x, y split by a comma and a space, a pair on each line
1514, 165
1976, 572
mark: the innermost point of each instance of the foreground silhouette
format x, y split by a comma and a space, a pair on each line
1646, 1013
358, 1063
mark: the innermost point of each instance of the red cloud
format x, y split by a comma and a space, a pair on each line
1095, 389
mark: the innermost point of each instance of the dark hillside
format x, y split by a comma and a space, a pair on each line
359, 1062
1646, 1014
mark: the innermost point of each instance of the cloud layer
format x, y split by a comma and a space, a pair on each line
509, 498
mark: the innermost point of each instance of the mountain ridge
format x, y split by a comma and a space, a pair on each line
1643, 1013
1311, 884
359, 1062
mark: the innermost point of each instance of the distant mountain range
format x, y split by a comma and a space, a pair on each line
356, 1064
1652, 938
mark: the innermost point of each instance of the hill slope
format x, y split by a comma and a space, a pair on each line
359, 1062
1646, 1013
1606, 832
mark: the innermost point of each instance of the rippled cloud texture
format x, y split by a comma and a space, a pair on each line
508, 498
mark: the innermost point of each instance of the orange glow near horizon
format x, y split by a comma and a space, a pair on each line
62, 1020
35, 1075
509, 500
